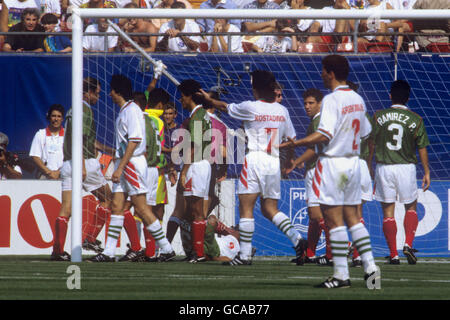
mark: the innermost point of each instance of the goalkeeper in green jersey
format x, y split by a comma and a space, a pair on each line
398, 132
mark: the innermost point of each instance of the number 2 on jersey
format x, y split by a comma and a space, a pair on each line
356, 126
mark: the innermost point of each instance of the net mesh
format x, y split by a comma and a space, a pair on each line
428, 75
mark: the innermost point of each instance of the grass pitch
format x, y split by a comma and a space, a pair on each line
37, 278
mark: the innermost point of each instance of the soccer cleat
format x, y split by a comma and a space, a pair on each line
324, 261
166, 257
409, 254
93, 246
332, 283
312, 259
300, 250
237, 261
148, 259
394, 260
356, 263
131, 255
101, 258
60, 256
194, 259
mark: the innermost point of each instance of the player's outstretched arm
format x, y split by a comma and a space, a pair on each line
221, 105
308, 155
312, 139
423, 154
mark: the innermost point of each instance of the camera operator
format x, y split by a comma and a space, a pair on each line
8, 161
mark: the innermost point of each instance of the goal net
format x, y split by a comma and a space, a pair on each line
428, 76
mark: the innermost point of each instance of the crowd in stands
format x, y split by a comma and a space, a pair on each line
176, 35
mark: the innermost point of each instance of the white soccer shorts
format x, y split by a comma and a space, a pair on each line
198, 177
311, 198
94, 177
228, 245
134, 177
260, 174
366, 181
396, 182
337, 181
152, 183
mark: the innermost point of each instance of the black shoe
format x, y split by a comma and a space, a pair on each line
166, 257
101, 258
394, 260
409, 254
148, 259
324, 261
196, 259
300, 250
332, 283
312, 259
356, 263
237, 261
93, 246
131, 255
60, 256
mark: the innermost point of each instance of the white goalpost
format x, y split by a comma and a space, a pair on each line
77, 66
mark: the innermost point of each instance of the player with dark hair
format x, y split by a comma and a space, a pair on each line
47, 145
266, 123
93, 179
196, 172
337, 179
397, 134
130, 174
312, 99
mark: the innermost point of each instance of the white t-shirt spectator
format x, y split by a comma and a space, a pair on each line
15, 8
274, 44
97, 43
51, 6
236, 41
401, 4
177, 44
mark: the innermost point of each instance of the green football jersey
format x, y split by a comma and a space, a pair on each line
364, 152
153, 149
398, 132
199, 124
89, 134
311, 129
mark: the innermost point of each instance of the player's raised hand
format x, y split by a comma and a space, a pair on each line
116, 175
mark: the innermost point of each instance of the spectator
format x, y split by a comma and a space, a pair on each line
22, 43
169, 39
263, 25
438, 26
329, 25
375, 25
97, 4
278, 43
93, 43
47, 146
219, 43
139, 25
52, 6
304, 25
166, 4
11, 12
8, 170
208, 25
54, 43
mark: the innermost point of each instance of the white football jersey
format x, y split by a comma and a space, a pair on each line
343, 121
130, 126
265, 124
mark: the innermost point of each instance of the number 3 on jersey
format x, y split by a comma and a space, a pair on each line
356, 126
397, 138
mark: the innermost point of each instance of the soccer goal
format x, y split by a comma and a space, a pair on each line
427, 74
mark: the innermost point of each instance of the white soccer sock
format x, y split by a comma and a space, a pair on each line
361, 240
284, 224
115, 226
339, 249
157, 233
246, 230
